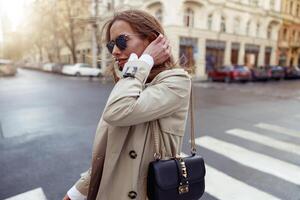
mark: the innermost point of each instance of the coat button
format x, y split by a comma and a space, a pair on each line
133, 154
132, 194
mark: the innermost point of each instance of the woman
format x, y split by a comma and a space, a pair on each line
151, 93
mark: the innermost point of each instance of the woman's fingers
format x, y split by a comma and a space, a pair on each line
159, 49
158, 39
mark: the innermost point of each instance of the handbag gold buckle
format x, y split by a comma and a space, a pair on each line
183, 189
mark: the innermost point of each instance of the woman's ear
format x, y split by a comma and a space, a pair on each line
153, 36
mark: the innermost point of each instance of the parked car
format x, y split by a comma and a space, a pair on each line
7, 68
53, 67
292, 72
230, 73
47, 67
81, 69
260, 73
276, 72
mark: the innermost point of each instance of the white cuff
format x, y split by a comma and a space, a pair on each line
145, 57
148, 59
132, 57
74, 194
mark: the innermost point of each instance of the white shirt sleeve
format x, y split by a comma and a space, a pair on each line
74, 194
148, 59
145, 57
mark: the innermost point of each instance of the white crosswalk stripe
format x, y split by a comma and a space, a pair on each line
216, 180
279, 129
267, 141
36, 194
246, 157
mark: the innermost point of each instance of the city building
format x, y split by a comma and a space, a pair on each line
205, 34
289, 37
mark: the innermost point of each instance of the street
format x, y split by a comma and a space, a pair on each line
248, 135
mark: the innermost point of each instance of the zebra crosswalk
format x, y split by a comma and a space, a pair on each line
217, 181
35, 194
264, 140
223, 185
279, 129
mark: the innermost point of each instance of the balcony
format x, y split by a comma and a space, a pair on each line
295, 44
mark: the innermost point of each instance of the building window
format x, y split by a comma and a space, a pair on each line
268, 51
209, 22
251, 55
214, 56
272, 4
254, 3
223, 25
294, 36
248, 28
109, 6
187, 52
285, 34
269, 32
235, 47
159, 15
189, 17
236, 25
257, 29
291, 7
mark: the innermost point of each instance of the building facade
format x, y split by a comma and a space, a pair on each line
206, 34
289, 37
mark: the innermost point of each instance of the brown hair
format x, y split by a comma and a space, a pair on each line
142, 23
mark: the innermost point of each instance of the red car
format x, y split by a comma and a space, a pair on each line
230, 73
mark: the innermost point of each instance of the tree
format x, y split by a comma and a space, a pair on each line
71, 27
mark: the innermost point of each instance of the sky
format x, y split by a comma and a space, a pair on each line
14, 10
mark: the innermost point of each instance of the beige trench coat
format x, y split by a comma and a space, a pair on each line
123, 145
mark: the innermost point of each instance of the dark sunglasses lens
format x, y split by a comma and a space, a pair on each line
110, 46
121, 42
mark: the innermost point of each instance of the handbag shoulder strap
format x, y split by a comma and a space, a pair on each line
192, 129
157, 155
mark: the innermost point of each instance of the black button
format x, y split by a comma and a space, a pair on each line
133, 154
132, 194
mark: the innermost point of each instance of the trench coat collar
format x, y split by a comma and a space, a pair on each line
170, 72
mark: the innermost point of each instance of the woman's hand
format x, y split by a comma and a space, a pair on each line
66, 197
159, 49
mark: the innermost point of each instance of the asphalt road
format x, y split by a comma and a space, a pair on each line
248, 134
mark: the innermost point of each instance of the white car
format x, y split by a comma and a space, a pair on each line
48, 67
81, 69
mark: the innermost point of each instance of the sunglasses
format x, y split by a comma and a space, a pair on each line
120, 41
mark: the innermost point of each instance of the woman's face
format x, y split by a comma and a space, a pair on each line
134, 44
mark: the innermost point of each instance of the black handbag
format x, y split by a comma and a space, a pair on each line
176, 178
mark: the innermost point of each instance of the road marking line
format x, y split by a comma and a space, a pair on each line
267, 141
267, 164
214, 185
36, 194
279, 129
